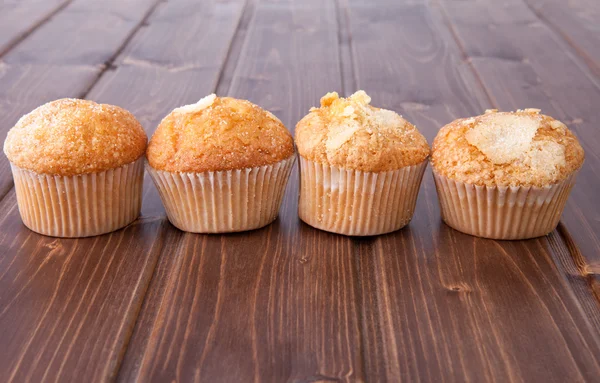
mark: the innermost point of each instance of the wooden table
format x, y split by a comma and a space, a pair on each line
289, 302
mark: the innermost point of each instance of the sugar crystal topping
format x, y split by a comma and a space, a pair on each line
354, 114
503, 137
350, 133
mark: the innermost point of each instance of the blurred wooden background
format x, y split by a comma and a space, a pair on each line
288, 302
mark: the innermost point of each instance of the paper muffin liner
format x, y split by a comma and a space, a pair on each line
80, 205
502, 212
358, 203
223, 201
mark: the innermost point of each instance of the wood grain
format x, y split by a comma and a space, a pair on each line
152, 79
53, 62
520, 70
18, 18
86, 32
68, 306
437, 303
576, 21
25, 87
289, 302
273, 304
153, 76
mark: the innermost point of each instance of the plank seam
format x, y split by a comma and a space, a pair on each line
349, 82
588, 61
574, 252
8, 189
222, 85
463, 52
361, 314
164, 236
225, 77
108, 65
18, 39
345, 48
585, 270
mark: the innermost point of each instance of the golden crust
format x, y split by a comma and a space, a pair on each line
349, 133
549, 157
218, 133
71, 136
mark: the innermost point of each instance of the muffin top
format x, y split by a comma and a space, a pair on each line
522, 148
218, 133
70, 136
349, 133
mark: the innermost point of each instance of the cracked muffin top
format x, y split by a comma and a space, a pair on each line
522, 148
218, 133
71, 136
349, 133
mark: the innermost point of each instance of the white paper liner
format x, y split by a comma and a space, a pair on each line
81, 205
223, 201
358, 203
502, 212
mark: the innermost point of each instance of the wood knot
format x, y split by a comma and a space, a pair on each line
53, 245
591, 270
459, 288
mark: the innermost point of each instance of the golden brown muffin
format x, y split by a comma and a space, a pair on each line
221, 165
349, 133
218, 133
360, 167
78, 168
505, 175
507, 148
70, 136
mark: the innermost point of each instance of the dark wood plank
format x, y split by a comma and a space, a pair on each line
526, 67
273, 304
153, 75
150, 78
68, 306
288, 302
86, 32
25, 87
53, 62
150, 83
18, 18
439, 305
175, 40
576, 21
152, 92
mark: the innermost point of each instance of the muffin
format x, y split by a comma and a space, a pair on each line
360, 167
220, 165
78, 167
505, 175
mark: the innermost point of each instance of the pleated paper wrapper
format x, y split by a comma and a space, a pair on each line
358, 203
223, 201
502, 212
80, 205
